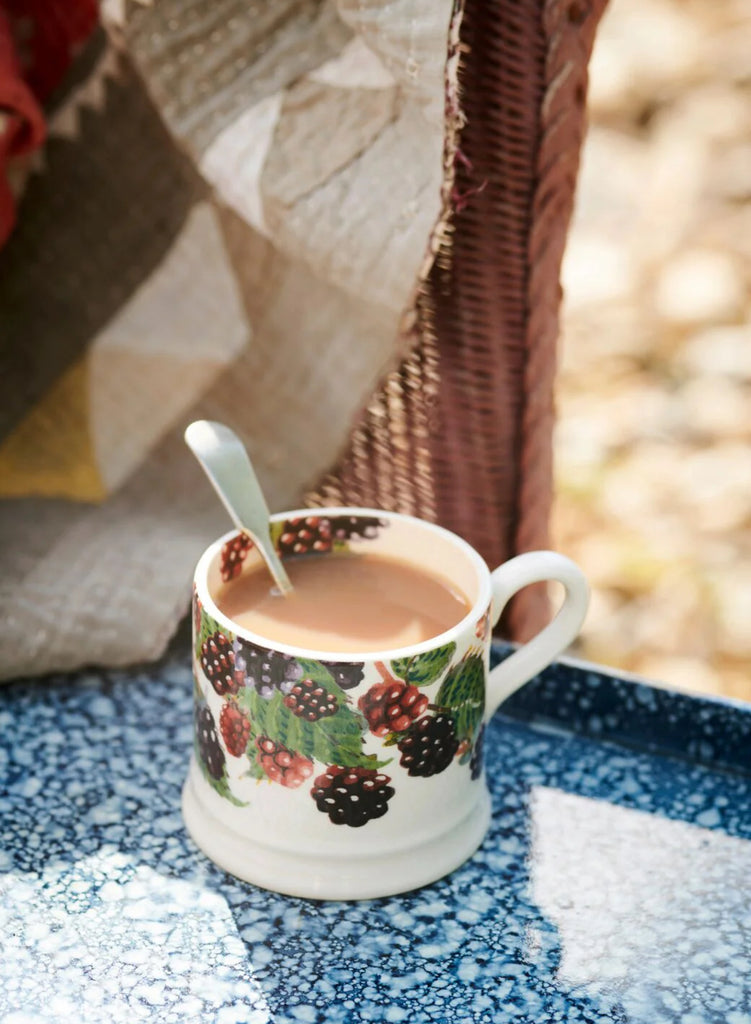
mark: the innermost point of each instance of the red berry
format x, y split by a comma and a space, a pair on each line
233, 555
281, 764
235, 729
392, 706
299, 536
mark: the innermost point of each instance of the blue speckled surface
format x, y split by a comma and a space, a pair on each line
631, 712
613, 886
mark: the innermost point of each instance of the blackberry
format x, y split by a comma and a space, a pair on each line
207, 741
477, 758
429, 745
235, 729
347, 675
301, 535
311, 701
218, 663
352, 796
281, 764
392, 706
267, 670
233, 555
363, 527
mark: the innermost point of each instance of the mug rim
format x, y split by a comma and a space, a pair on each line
478, 608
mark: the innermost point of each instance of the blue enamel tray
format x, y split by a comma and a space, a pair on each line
614, 885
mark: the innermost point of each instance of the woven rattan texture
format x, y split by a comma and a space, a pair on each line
461, 431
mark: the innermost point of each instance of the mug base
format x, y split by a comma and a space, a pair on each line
326, 877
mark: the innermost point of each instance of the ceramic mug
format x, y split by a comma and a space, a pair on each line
386, 792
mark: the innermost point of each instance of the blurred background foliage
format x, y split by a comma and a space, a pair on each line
653, 444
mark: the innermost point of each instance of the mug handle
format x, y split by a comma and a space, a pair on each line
532, 657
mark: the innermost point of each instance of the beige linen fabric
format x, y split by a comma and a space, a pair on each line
229, 220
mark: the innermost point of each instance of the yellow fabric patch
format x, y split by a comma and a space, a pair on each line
49, 454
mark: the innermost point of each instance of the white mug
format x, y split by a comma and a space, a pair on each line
352, 776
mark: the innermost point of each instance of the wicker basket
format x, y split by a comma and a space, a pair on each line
461, 432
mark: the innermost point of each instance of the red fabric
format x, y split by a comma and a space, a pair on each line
38, 41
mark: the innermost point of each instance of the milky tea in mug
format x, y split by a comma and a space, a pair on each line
339, 733
352, 601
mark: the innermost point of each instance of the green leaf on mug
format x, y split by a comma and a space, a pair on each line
423, 669
320, 674
220, 785
275, 532
255, 771
463, 694
197, 694
334, 739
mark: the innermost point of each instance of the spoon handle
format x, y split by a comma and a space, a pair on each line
225, 462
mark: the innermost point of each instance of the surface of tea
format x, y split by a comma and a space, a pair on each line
346, 603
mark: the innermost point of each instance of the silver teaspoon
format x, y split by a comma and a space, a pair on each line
225, 462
